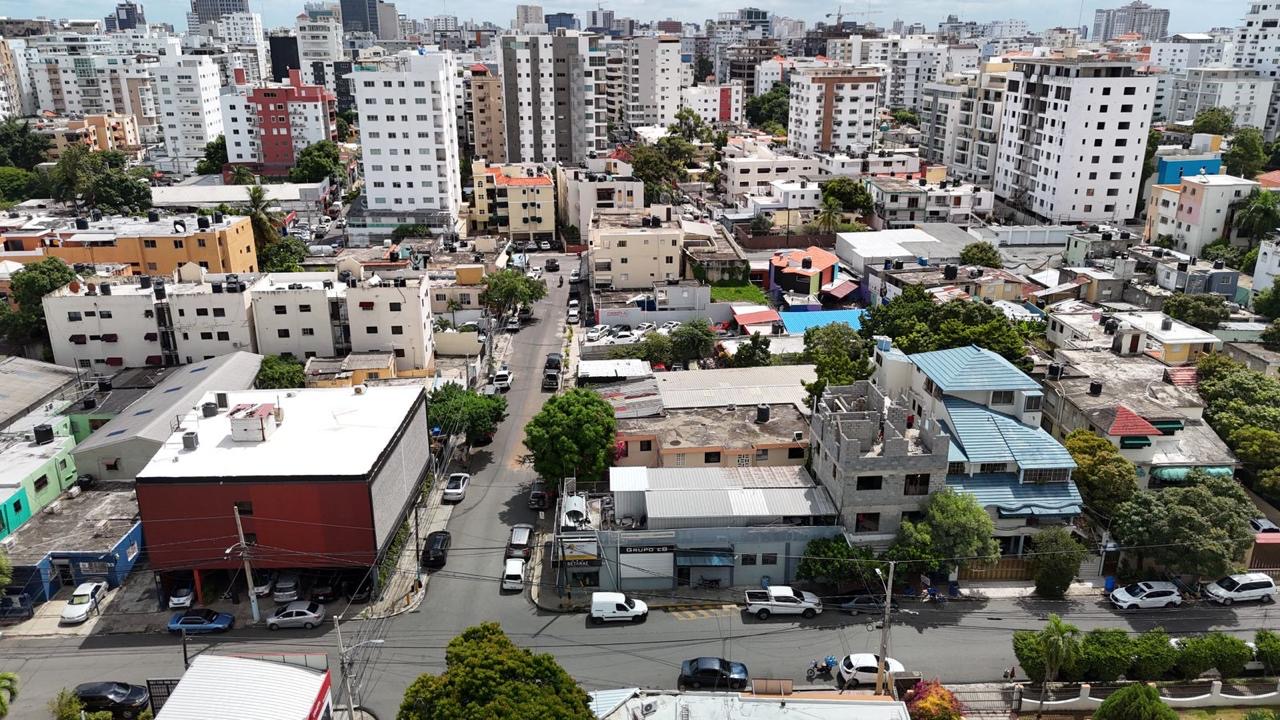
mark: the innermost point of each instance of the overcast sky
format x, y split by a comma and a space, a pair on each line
1186, 15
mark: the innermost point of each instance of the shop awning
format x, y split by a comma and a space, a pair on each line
704, 558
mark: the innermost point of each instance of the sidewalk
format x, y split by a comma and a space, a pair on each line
987, 590
408, 584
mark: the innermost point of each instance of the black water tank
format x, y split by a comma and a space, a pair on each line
104, 384
160, 291
950, 272
153, 216
216, 288
144, 282
209, 409
202, 222
1095, 387
762, 413
217, 218
44, 434
95, 214
89, 403
82, 223
105, 288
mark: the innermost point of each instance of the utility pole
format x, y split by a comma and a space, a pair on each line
342, 665
248, 573
884, 630
186, 660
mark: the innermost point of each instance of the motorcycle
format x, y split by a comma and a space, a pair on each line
824, 667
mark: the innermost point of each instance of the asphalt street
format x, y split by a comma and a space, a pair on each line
959, 642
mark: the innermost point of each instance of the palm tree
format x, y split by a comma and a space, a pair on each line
830, 216
241, 175
1260, 215
1058, 643
453, 306
263, 218
8, 691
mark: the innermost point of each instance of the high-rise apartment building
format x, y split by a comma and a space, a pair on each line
653, 75
561, 21
188, 108
1257, 47
319, 28
960, 120
267, 126
486, 123
206, 11
527, 15
127, 16
1151, 23
388, 21
1242, 92
360, 16
408, 141
833, 108
553, 93
1073, 138
715, 103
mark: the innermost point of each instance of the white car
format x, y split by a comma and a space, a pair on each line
860, 668
1150, 594
1245, 586
573, 316
645, 328
536, 273
513, 324
342, 223
598, 332
181, 598
455, 490
502, 379
668, 327
575, 276
544, 245
84, 602
623, 337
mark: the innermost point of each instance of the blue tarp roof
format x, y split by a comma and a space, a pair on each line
1012, 498
986, 436
797, 322
968, 369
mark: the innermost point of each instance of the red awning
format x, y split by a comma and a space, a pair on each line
842, 289
79, 339
115, 361
154, 360
150, 337
110, 337
366, 305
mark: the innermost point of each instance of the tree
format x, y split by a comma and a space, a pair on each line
284, 255
241, 175
753, 353
702, 69
829, 216
488, 676
278, 372
1153, 656
914, 545
1271, 336
21, 146
981, 253
761, 225
1268, 644
960, 528
410, 230
1139, 701
99, 180
344, 129
1214, 121
654, 348
851, 194
1055, 560
834, 561
903, 116
572, 436
16, 184
1203, 311
1267, 303
917, 324
28, 287
1059, 645
262, 217
840, 355
66, 706
454, 409
689, 125
1247, 154
661, 167
1213, 651
1259, 217
8, 691
317, 162
215, 156
1255, 447
931, 701
773, 106
1104, 476
1106, 655
504, 290
693, 340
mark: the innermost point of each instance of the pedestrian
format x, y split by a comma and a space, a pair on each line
925, 584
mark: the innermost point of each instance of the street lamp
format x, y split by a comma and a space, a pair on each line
344, 662
243, 549
882, 661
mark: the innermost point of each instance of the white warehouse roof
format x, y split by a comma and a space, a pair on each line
245, 689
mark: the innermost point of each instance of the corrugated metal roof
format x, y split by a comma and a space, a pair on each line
623, 368
24, 383
798, 501
623, 479
738, 503
968, 369
243, 688
604, 702
1004, 492
986, 436
688, 503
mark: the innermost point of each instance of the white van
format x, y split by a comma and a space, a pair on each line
513, 574
607, 606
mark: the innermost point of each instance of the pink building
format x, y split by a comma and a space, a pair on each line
266, 126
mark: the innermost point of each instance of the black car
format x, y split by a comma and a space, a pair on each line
552, 265
358, 586
435, 551
327, 589
539, 498
554, 361
713, 673
867, 605
122, 700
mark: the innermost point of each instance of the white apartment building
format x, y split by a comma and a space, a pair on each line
527, 15
555, 101
960, 120
633, 249
1073, 138
1136, 17
653, 78
902, 161
243, 31
1257, 47
102, 326
602, 184
268, 125
833, 108
778, 69
1197, 211
319, 29
210, 315
1243, 92
188, 109
715, 104
1188, 50
1268, 267
408, 141
750, 165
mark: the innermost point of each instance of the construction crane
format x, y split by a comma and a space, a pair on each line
865, 15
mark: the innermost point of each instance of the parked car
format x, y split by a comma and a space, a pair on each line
327, 589
597, 332
1263, 525
606, 606
860, 668
1147, 594
513, 574
83, 603
622, 337
645, 328
359, 586
513, 324
297, 614
263, 582
1241, 587
520, 544
341, 223
122, 700
868, 604
540, 496
554, 361
573, 316
435, 551
575, 276
455, 489
502, 378
668, 327
200, 620
552, 265
288, 588
181, 598
782, 600
544, 245
713, 673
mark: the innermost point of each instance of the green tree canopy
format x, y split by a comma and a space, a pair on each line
1247, 155
654, 348
661, 167
851, 194
572, 436
1271, 336
410, 230
284, 255
1215, 121
833, 560
67, 706
21, 146
753, 353
773, 106
317, 162
1259, 217
917, 324
28, 287
16, 184
278, 372
488, 676
903, 116
840, 354
1139, 701
1059, 646
960, 529
761, 224
914, 545
689, 125
262, 217
1104, 476
1203, 311
215, 156
99, 180
455, 409
1055, 560
241, 175
693, 340
981, 253
8, 691
504, 290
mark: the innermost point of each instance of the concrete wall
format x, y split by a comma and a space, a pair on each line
1031, 234
456, 344
398, 480
631, 315
1213, 697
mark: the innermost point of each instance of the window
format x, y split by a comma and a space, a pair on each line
748, 558
795, 453
304, 308
281, 310
206, 336
1031, 403
42, 482
73, 317
399, 352
244, 506
308, 332
870, 482
223, 335
219, 312
371, 329
148, 243
177, 244
768, 558
202, 312
646, 446
395, 307
104, 314
762, 454
866, 522
991, 468
711, 458
916, 484
397, 329
955, 468
1002, 397
282, 333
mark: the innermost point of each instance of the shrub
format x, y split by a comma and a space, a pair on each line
1105, 655
1214, 651
931, 701
1029, 655
1268, 650
1260, 714
1154, 657
1135, 702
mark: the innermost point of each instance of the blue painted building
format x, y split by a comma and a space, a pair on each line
1172, 168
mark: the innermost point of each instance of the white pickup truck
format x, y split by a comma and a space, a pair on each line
781, 599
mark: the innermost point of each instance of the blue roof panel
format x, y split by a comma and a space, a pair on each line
986, 436
970, 369
1016, 499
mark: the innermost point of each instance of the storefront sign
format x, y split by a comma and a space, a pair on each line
647, 549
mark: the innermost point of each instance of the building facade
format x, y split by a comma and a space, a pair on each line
653, 80
960, 122
515, 201
715, 104
833, 108
268, 126
1139, 18
188, 109
553, 95
1242, 92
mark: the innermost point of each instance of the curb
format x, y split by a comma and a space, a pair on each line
695, 606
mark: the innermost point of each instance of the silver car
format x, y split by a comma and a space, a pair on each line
299, 614
286, 589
